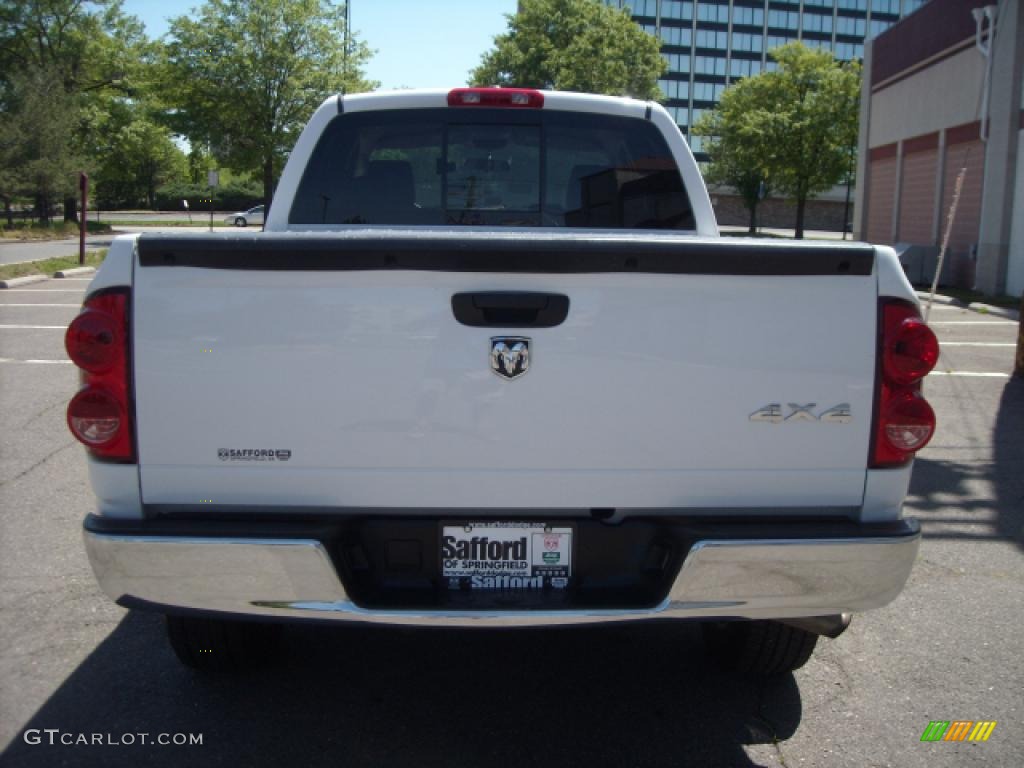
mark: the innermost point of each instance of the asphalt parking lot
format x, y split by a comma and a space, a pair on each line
949, 648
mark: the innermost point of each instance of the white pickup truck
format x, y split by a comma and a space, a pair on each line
491, 365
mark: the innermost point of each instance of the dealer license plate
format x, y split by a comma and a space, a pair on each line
506, 555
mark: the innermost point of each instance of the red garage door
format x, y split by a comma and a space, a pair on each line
881, 196
968, 214
917, 196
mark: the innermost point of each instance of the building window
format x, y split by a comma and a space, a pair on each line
814, 22
703, 91
676, 35
783, 19
774, 41
854, 5
677, 62
878, 27
752, 17
886, 6
709, 65
744, 67
673, 9
822, 45
675, 89
709, 12
741, 41
851, 27
642, 7
709, 38
848, 51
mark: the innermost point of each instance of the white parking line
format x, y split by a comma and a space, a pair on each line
973, 322
975, 374
977, 344
40, 305
36, 362
33, 327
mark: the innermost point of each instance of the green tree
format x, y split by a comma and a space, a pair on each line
729, 166
139, 157
200, 163
794, 127
243, 76
82, 55
37, 129
573, 45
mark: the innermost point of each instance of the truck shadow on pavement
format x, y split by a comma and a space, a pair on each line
1009, 461
952, 498
639, 695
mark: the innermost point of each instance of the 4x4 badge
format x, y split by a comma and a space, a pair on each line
510, 356
773, 413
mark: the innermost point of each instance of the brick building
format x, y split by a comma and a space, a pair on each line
943, 93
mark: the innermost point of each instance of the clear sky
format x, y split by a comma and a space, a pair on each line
419, 43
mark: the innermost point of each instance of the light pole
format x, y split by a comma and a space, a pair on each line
846, 207
348, 31
83, 185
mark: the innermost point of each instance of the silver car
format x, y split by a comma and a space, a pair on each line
245, 218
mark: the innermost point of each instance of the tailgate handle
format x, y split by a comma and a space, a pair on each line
510, 309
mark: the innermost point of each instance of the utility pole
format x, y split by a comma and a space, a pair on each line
846, 207
348, 32
83, 185
212, 180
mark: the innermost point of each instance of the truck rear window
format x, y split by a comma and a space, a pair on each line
492, 167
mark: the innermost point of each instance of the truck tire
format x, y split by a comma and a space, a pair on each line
220, 645
759, 648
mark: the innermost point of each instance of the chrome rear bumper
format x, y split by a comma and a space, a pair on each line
289, 578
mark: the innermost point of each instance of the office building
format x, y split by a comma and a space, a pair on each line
709, 44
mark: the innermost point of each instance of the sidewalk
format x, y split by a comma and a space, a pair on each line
809, 234
16, 252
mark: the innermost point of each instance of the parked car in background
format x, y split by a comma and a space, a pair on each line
245, 218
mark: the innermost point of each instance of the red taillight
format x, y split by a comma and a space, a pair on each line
95, 416
909, 422
908, 350
524, 98
100, 415
911, 350
92, 341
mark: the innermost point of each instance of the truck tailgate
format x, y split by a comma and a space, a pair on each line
330, 371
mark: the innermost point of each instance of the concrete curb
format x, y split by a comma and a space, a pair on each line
988, 309
939, 299
15, 282
75, 272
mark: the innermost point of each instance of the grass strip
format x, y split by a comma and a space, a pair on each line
49, 266
61, 230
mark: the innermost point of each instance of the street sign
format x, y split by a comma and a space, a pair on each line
213, 179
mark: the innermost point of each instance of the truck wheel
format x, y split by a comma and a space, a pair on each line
220, 645
240, 222
759, 648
